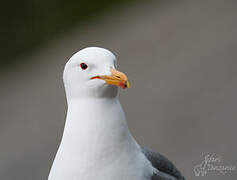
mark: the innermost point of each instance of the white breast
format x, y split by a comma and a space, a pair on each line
97, 144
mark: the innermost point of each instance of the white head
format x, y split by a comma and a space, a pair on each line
91, 73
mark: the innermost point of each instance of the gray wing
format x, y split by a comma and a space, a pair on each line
166, 169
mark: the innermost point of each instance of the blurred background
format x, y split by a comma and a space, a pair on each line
180, 56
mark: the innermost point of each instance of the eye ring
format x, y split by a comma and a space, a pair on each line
83, 66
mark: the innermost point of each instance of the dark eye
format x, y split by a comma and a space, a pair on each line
84, 66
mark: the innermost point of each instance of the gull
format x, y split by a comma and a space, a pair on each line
96, 142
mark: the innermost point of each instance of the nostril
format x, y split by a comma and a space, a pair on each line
117, 76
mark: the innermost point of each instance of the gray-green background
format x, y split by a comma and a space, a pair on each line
181, 59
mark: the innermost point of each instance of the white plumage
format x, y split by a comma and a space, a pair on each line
96, 143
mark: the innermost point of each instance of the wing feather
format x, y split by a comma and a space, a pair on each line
166, 169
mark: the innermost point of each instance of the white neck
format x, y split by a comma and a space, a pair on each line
96, 123
97, 144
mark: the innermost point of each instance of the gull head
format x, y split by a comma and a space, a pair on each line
92, 72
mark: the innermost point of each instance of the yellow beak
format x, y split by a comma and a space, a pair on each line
117, 79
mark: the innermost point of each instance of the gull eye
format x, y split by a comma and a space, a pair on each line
84, 66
